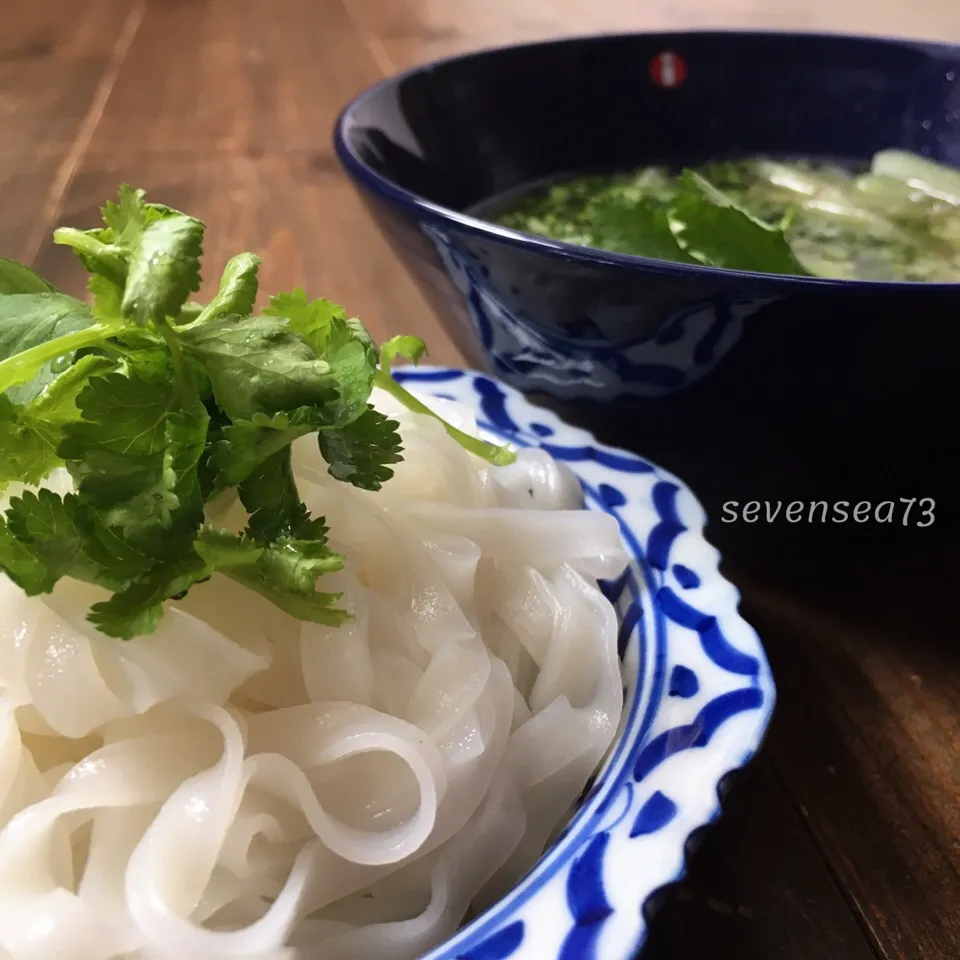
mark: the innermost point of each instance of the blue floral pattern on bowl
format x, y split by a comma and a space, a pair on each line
687, 347
698, 698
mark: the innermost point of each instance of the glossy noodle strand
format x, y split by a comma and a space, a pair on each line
241, 784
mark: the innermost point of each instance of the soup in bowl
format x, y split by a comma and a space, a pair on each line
740, 331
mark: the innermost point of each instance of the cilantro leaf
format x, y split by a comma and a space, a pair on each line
258, 365
55, 530
284, 573
135, 456
95, 251
107, 298
137, 609
246, 444
31, 326
359, 452
412, 348
276, 511
154, 402
341, 341
22, 565
716, 232
164, 269
238, 289
29, 319
637, 225
125, 219
16, 278
310, 319
31, 432
29, 452
352, 357
57, 405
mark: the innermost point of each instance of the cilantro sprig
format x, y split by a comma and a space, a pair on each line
156, 404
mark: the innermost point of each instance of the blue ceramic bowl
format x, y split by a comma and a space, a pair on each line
751, 386
698, 697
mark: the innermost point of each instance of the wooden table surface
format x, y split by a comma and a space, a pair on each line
842, 841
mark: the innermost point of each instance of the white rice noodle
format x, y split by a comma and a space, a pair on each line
243, 785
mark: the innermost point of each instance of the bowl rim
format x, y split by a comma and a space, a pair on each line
511, 417
364, 174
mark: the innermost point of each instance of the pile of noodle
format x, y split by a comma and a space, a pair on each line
241, 784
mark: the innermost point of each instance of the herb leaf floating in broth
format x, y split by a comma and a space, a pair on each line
898, 221
715, 231
156, 406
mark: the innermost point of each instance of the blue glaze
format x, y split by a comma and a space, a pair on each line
686, 577
611, 496
697, 734
662, 357
585, 894
541, 429
493, 405
668, 529
612, 806
714, 643
413, 375
614, 460
497, 946
654, 815
587, 901
683, 682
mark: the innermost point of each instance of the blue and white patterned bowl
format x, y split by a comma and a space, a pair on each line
698, 691
751, 386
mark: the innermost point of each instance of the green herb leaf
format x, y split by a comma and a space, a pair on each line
107, 298
30, 433
248, 443
164, 269
352, 357
636, 225
411, 348
34, 343
154, 403
276, 511
55, 530
310, 319
125, 219
238, 289
414, 348
284, 573
21, 564
341, 341
29, 319
257, 365
138, 609
716, 232
29, 453
135, 456
16, 278
95, 251
359, 452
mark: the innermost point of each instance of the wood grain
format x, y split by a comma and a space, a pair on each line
56, 63
226, 109
401, 33
867, 741
721, 911
295, 209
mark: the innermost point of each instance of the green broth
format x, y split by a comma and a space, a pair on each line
899, 220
